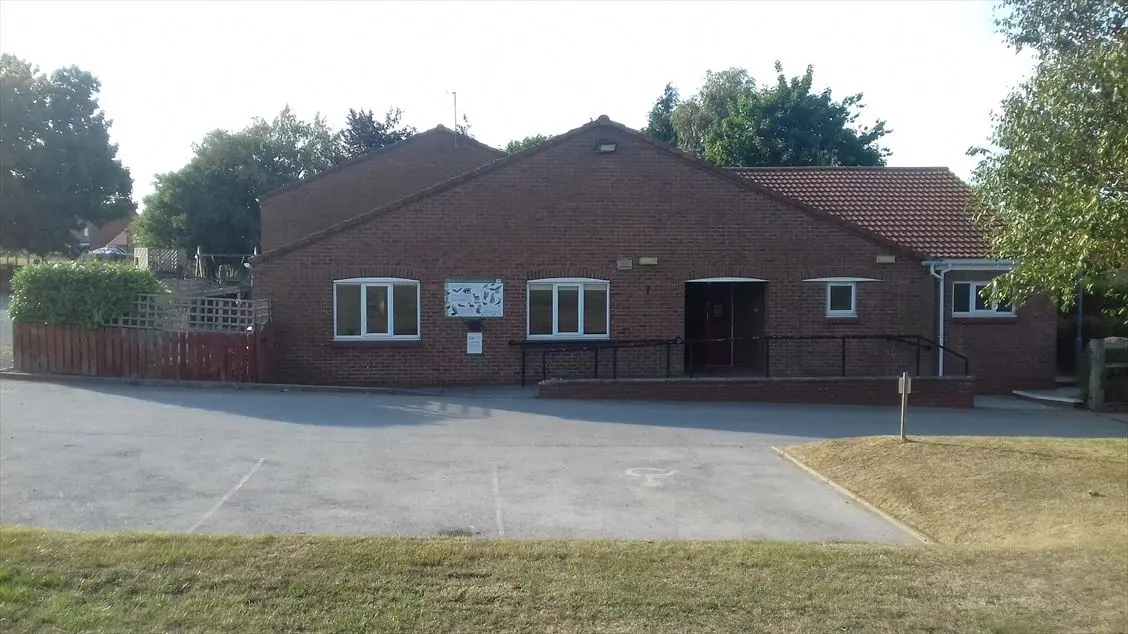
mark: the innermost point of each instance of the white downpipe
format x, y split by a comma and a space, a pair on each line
940, 335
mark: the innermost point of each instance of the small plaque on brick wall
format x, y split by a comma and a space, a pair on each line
624, 264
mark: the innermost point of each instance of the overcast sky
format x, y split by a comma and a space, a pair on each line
170, 72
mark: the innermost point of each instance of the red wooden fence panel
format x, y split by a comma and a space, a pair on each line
137, 353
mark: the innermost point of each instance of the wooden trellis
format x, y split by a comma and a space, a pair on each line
191, 314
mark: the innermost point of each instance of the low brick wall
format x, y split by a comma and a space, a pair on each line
927, 391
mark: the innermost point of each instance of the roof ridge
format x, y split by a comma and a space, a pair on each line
845, 168
429, 191
374, 153
601, 121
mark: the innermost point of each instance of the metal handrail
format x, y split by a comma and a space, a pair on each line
548, 348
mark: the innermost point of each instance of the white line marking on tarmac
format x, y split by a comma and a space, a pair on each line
497, 502
653, 476
226, 496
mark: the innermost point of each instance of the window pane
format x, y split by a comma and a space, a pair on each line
961, 297
568, 309
377, 310
348, 309
540, 310
841, 297
981, 297
405, 301
595, 310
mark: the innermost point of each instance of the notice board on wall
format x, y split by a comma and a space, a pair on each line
474, 298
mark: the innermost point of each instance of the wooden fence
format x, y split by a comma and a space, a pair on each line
144, 354
1108, 374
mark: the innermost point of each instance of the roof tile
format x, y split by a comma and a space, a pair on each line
923, 208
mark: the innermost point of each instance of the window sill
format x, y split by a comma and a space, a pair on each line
985, 319
566, 339
841, 317
398, 342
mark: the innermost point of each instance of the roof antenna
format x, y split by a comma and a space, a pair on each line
455, 95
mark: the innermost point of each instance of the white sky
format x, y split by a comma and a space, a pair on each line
171, 71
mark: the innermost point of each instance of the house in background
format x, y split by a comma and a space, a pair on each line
601, 234
114, 232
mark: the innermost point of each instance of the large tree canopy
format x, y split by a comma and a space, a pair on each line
734, 122
58, 169
363, 133
1052, 188
212, 202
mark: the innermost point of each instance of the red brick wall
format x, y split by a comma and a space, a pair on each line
926, 391
1006, 353
374, 181
569, 212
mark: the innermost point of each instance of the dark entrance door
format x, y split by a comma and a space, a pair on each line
718, 324
708, 323
716, 315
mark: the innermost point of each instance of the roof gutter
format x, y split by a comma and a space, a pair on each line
938, 269
970, 264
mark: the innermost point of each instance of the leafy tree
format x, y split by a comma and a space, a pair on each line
694, 118
1052, 190
526, 143
660, 124
734, 122
363, 133
464, 127
58, 169
212, 202
788, 125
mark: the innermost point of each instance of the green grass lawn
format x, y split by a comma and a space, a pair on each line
1024, 548
53, 581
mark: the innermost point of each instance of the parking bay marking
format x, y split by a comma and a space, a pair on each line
226, 496
653, 477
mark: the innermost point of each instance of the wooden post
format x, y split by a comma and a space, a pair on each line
1096, 374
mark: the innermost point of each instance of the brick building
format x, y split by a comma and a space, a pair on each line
409, 276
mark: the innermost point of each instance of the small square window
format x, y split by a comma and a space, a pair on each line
841, 299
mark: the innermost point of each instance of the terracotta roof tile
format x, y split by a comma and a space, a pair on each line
921, 208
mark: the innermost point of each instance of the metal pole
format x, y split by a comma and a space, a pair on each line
904, 385
522, 367
1079, 344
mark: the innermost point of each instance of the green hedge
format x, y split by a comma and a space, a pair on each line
85, 294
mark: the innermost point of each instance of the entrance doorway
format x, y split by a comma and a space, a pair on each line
721, 315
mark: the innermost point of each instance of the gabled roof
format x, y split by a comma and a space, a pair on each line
382, 152
922, 208
602, 121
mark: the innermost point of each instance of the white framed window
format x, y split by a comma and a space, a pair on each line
969, 299
376, 308
568, 308
842, 299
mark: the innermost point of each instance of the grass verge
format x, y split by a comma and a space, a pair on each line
1029, 549
1025, 492
138, 582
